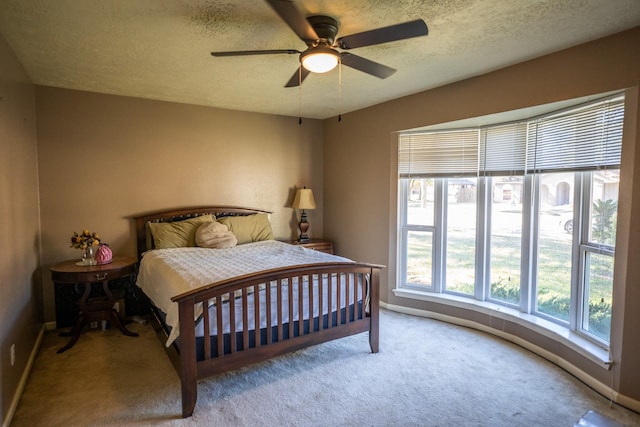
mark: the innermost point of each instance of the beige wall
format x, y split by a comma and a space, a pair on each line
360, 180
20, 290
106, 158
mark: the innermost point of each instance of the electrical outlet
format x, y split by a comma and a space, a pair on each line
13, 354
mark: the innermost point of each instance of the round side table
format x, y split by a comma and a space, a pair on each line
92, 309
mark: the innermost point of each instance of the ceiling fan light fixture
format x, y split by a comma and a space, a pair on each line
319, 59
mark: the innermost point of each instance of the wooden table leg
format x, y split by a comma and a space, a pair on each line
116, 320
113, 315
75, 332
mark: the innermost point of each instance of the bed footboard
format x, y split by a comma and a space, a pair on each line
258, 316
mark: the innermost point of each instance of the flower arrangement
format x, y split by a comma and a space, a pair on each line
84, 239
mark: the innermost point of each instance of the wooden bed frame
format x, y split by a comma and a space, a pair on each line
284, 337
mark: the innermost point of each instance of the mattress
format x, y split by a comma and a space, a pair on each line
165, 273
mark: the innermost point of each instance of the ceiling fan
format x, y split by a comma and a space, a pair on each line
322, 54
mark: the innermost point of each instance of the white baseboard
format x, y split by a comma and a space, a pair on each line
598, 386
23, 379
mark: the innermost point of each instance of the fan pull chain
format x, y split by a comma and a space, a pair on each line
300, 95
339, 91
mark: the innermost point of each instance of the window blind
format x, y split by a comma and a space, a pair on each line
441, 154
503, 149
585, 138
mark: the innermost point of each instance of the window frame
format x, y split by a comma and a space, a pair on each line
404, 230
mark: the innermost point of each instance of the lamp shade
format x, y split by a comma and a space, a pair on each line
304, 199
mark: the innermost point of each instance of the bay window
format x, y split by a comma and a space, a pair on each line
521, 214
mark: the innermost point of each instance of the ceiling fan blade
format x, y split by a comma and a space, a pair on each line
290, 14
383, 35
297, 78
366, 66
254, 52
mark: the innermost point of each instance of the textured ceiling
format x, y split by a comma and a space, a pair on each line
160, 49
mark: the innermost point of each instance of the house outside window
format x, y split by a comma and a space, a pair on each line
518, 214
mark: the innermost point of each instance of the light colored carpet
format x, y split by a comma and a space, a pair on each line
427, 373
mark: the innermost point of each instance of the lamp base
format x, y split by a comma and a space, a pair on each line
303, 225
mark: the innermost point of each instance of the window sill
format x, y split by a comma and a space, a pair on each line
547, 329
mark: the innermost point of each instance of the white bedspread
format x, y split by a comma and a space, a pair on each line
165, 273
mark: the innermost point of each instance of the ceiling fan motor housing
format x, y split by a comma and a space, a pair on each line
326, 28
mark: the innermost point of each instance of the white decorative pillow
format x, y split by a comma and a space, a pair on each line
215, 235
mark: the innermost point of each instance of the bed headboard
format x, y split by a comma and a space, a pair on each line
173, 215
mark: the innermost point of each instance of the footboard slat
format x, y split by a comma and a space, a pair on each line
207, 331
300, 322
363, 291
355, 281
290, 298
310, 301
256, 315
245, 319
279, 309
219, 324
268, 304
232, 323
330, 302
338, 300
321, 288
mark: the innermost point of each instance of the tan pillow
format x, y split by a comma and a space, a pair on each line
250, 228
179, 234
215, 235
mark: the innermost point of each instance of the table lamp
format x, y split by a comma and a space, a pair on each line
303, 200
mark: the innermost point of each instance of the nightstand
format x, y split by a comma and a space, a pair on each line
316, 244
100, 306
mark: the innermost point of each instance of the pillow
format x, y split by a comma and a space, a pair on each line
215, 235
249, 228
177, 234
